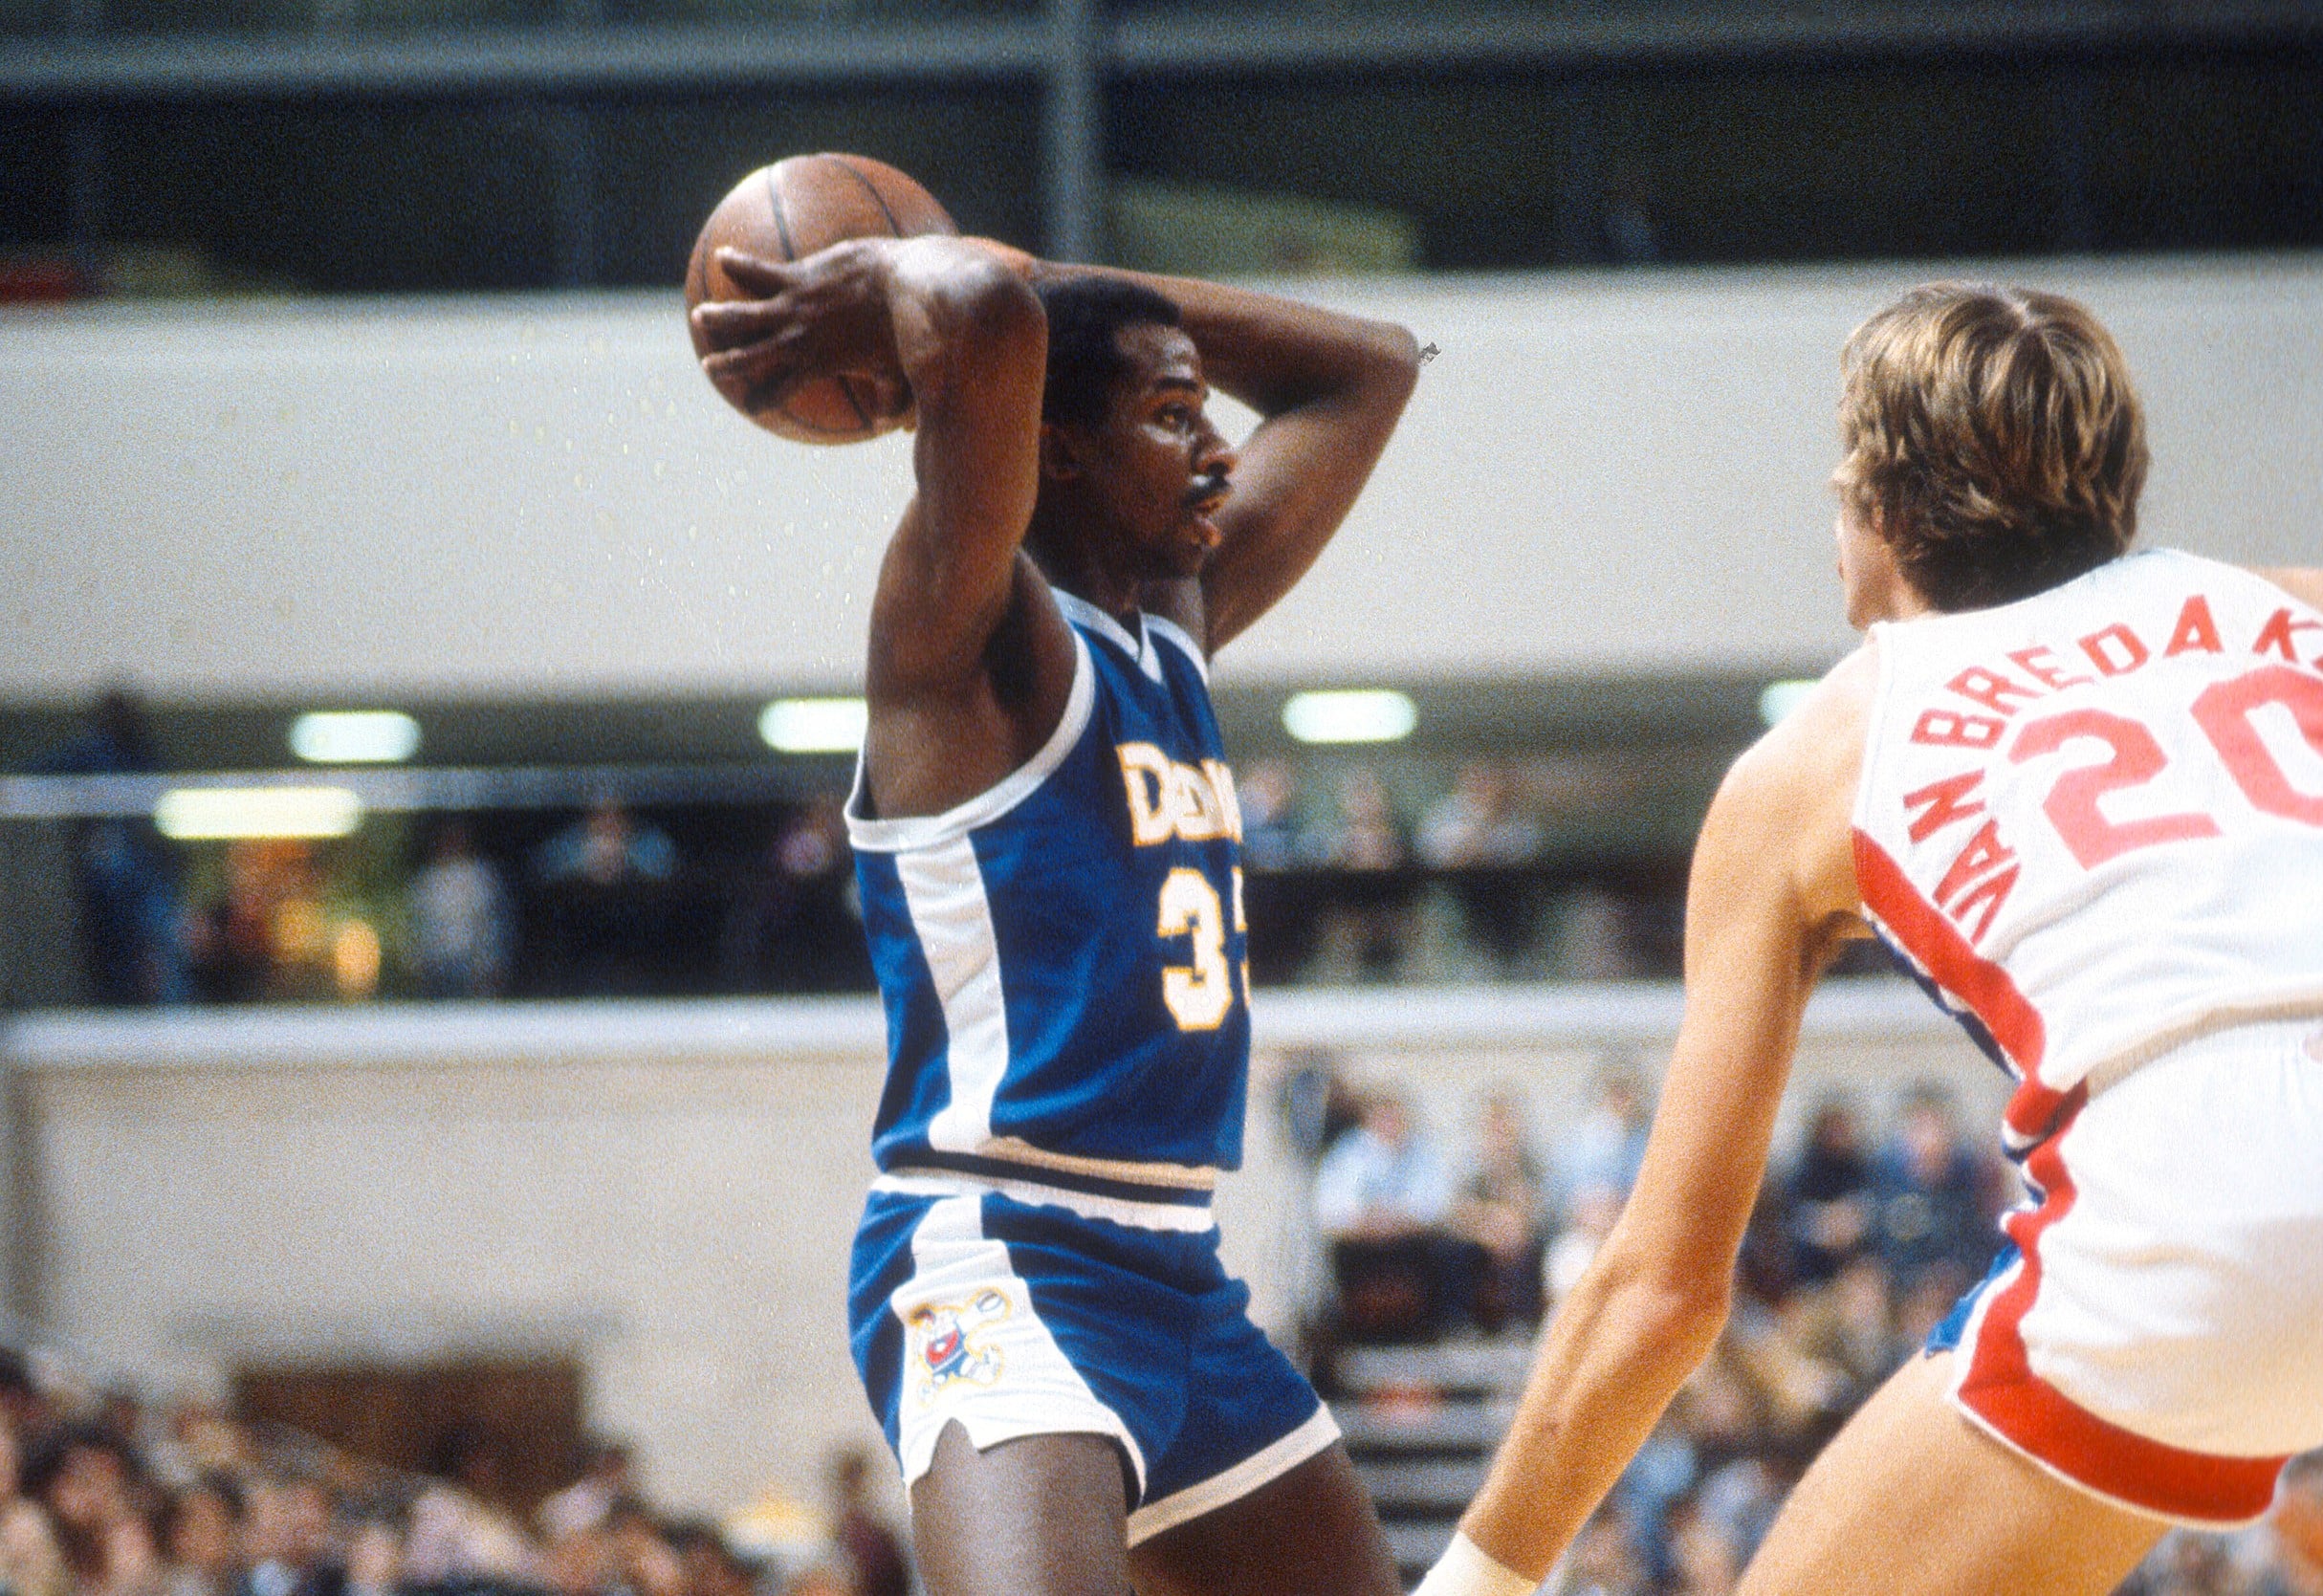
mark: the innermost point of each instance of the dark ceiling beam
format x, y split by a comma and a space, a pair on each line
582, 58
1573, 38
551, 59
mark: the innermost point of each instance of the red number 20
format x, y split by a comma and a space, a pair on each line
2224, 714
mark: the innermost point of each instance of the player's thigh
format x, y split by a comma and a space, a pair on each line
1911, 1499
1040, 1516
1309, 1532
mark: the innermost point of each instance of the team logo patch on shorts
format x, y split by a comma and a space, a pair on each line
945, 1345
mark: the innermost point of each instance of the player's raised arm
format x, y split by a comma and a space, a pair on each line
1656, 1298
943, 326
1328, 389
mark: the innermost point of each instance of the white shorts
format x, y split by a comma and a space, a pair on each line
2156, 1334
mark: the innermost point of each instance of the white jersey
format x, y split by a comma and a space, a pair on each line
2093, 819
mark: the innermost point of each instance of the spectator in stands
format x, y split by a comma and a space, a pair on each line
1383, 1200
1588, 1220
601, 877
1366, 922
1480, 823
462, 927
791, 923
1363, 832
1705, 1559
2288, 1550
580, 1562
1500, 1209
1268, 797
708, 1560
1604, 1147
1936, 1198
31, 1564
1848, 1323
95, 1494
375, 1554
22, 1402
643, 1563
459, 1531
606, 847
608, 1473
287, 1536
202, 1537
2185, 1563
1481, 830
1828, 1203
1742, 1496
126, 875
201, 1440
265, 934
1282, 896
873, 1554
1604, 1560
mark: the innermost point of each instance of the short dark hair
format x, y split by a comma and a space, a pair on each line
47, 1457
1085, 316
1997, 434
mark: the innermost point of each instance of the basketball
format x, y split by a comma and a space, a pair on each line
787, 211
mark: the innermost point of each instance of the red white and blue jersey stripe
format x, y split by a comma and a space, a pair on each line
1062, 956
2092, 820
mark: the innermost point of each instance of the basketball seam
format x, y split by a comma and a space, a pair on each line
856, 405
877, 198
782, 227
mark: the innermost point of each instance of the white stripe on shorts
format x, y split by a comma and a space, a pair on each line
1004, 1376
1185, 1219
1233, 1484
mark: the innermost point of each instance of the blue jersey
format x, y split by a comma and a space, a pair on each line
1061, 957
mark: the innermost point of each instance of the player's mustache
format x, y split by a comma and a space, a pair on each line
1211, 487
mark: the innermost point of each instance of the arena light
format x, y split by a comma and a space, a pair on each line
1369, 716
1782, 698
355, 737
813, 725
218, 814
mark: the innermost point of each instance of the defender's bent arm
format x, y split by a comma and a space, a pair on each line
1771, 898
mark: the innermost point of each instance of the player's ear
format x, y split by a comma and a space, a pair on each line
1061, 453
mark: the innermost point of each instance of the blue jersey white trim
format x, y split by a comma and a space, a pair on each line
919, 831
1062, 957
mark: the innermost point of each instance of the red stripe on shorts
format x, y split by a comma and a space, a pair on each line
2001, 1389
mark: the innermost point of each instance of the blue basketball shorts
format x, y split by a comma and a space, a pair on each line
1020, 1309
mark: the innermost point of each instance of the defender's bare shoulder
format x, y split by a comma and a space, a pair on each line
2304, 583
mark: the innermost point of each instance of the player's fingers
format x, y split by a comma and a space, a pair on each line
725, 325
752, 365
755, 272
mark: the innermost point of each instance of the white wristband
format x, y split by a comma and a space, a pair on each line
1466, 1570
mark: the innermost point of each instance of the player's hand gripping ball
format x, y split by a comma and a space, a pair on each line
786, 212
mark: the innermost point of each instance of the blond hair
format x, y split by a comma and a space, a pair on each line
1994, 440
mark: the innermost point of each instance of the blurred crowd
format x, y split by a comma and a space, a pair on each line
1864, 1239
107, 1497
1359, 871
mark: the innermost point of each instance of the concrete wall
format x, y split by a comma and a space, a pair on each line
541, 496
664, 1191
